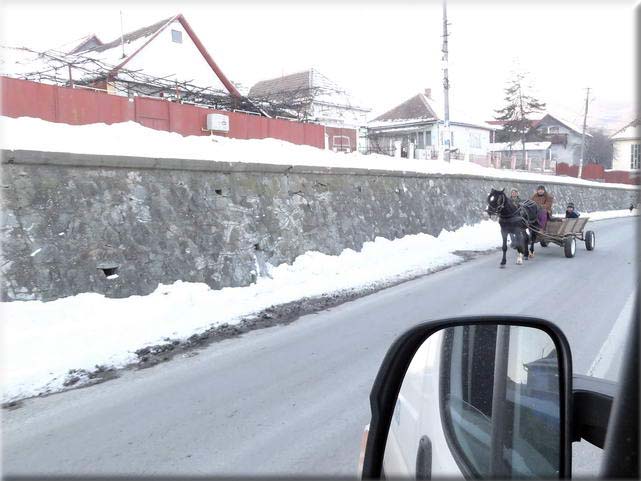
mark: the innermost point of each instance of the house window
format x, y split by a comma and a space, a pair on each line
428, 137
553, 129
420, 144
176, 36
634, 156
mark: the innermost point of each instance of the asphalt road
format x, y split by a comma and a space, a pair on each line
294, 399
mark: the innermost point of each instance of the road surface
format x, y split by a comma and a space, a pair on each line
294, 399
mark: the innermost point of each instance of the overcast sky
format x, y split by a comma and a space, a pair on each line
385, 53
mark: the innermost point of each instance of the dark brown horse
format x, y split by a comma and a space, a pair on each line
515, 220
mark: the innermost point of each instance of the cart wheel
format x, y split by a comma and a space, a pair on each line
590, 240
544, 243
569, 245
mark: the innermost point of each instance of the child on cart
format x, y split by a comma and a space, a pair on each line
570, 212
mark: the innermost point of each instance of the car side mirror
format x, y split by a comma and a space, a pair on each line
473, 397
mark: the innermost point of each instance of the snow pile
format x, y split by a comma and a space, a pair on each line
132, 139
42, 342
611, 214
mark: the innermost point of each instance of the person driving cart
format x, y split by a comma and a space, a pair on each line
544, 201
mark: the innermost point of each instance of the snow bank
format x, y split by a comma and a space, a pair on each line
132, 139
42, 342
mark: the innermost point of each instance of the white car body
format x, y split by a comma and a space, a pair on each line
417, 414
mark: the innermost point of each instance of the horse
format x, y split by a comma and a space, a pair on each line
514, 220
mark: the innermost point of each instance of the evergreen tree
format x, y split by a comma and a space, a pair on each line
519, 106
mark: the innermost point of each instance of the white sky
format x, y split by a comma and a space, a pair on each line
385, 53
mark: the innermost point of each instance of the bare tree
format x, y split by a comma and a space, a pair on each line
599, 148
292, 103
80, 70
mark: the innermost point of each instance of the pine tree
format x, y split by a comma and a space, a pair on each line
518, 109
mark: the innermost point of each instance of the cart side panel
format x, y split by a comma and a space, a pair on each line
567, 227
580, 224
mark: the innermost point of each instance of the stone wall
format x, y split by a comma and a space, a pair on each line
69, 220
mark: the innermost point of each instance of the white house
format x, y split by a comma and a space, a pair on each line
310, 96
627, 147
414, 129
164, 59
565, 137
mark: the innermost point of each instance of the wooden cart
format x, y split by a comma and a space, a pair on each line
565, 233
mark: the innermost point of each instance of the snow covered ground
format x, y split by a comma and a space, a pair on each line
42, 342
132, 139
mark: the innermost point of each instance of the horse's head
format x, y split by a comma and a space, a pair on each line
496, 201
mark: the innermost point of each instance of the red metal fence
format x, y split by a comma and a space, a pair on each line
77, 106
598, 172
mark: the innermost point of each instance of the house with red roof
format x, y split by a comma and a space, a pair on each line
164, 59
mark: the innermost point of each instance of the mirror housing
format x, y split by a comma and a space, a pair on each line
389, 380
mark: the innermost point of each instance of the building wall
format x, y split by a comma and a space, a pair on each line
164, 58
622, 154
394, 142
338, 116
568, 153
472, 142
64, 216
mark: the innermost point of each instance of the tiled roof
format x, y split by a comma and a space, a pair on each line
131, 36
416, 107
287, 84
309, 83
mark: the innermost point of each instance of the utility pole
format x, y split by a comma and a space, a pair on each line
446, 90
122, 36
585, 118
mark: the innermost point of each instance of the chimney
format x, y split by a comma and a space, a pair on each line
428, 93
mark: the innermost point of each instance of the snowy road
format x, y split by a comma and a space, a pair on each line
294, 399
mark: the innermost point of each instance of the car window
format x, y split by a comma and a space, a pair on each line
529, 440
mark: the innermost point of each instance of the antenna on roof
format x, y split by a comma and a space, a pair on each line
122, 36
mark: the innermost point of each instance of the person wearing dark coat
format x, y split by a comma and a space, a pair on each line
570, 213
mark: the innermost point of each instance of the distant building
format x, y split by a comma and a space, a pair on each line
627, 147
310, 96
414, 130
565, 138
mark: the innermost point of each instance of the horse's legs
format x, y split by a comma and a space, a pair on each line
525, 242
504, 248
532, 241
